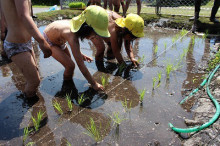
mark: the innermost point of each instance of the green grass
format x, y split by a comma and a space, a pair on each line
93, 131
165, 45
41, 6
214, 62
69, 102
57, 106
52, 15
36, 121
185, 11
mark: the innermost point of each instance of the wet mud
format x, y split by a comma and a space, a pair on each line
142, 124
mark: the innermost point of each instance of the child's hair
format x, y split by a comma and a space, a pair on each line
128, 32
84, 31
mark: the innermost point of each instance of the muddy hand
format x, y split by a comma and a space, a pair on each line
46, 49
88, 59
98, 87
135, 62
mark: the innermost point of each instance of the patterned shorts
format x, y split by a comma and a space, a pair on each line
12, 49
63, 47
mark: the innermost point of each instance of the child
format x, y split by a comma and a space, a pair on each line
94, 19
17, 43
122, 30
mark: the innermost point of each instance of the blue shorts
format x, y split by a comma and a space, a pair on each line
12, 49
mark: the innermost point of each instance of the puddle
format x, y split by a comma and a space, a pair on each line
146, 124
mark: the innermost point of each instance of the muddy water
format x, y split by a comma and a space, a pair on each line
145, 124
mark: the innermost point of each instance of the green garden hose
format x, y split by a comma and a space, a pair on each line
213, 119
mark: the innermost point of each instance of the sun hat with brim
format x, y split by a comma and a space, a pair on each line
96, 17
134, 23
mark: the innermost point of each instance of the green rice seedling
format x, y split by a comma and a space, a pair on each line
165, 45
169, 69
125, 105
93, 131
69, 102
82, 99
205, 35
37, 121
156, 49
141, 97
116, 118
26, 134
68, 143
57, 106
121, 67
183, 32
141, 60
193, 39
159, 76
154, 82
30, 144
104, 80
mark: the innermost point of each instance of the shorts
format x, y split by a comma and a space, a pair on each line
12, 49
63, 46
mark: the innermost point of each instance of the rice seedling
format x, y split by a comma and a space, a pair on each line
154, 82
169, 69
68, 143
184, 53
37, 121
125, 105
142, 93
57, 106
159, 76
26, 134
93, 131
165, 45
193, 39
104, 80
183, 32
69, 102
82, 99
116, 118
205, 35
156, 49
141, 60
121, 67
30, 144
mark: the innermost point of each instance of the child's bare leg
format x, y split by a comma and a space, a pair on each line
65, 60
100, 47
138, 6
27, 65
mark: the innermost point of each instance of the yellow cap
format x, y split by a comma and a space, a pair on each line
133, 23
94, 16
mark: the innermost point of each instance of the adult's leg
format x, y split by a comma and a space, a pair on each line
214, 11
62, 57
126, 6
138, 6
110, 5
196, 14
27, 65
